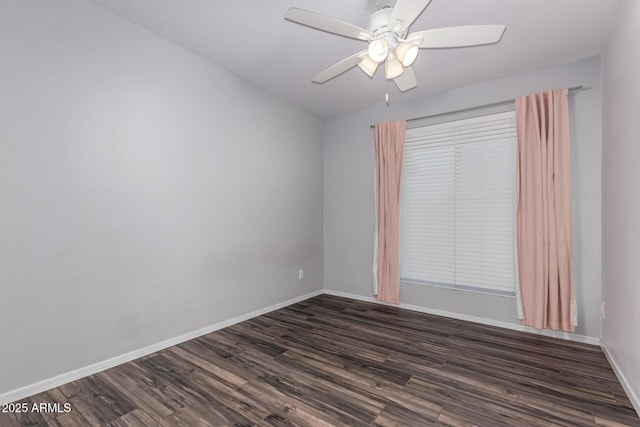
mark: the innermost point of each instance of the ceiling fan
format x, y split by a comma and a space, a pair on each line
390, 41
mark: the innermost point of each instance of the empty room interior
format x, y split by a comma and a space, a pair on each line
319, 213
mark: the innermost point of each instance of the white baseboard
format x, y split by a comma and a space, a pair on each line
65, 378
631, 394
481, 320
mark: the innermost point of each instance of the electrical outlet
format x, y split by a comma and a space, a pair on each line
300, 274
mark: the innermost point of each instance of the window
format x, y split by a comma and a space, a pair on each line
458, 204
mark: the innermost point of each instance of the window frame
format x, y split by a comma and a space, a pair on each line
457, 122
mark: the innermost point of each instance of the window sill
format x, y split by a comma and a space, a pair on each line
493, 292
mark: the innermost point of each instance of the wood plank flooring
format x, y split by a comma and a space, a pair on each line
331, 361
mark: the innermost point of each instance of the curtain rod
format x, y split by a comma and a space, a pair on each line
464, 110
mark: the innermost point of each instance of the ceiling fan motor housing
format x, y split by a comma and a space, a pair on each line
378, 24
385, 4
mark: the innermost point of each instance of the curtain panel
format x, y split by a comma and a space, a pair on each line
543, 211
389, 143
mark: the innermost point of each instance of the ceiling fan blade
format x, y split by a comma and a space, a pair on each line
336, 69
406, 80
468, 35
405, 12
325, 23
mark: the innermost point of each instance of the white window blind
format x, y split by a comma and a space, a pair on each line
458, 204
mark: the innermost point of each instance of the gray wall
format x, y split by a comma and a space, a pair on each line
621, 197
348, 191
145, 192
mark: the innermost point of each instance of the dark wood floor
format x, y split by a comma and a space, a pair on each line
334, 361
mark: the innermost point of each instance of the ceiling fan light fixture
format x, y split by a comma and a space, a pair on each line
406, 53
369, 66
393, 68
378, 50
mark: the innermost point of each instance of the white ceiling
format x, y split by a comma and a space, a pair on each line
251, 39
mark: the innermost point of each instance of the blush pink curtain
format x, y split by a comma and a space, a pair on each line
543, 197
389, 141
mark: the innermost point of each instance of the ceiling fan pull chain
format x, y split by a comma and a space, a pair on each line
386, 97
